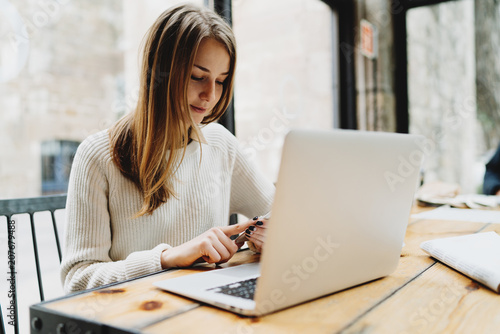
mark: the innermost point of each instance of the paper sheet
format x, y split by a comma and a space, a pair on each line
475, 255
471, 215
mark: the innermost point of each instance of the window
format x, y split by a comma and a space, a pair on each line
67, 87
57, 158
286, 74
442, 91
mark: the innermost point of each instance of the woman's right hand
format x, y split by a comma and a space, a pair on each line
213, 246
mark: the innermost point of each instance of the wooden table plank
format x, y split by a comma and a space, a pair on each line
492, 227
418, 287
441, 300
136, 304
324, 315
336, 311
438, 301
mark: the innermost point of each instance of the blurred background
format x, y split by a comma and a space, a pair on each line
69, 68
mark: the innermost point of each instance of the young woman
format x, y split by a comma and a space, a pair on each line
156, 190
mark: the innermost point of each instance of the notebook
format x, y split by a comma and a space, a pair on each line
339, 216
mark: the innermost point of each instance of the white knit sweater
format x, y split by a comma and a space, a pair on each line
103, 244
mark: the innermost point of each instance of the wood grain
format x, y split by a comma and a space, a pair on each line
332, 313
438, 301
137, 304
421, 296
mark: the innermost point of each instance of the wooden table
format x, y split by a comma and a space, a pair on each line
421, 296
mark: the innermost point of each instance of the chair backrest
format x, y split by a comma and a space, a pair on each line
30, 206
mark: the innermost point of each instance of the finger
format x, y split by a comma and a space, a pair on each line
257, 238
258, 226
262, 223
208, 252
236, 228
257, 233
223, 243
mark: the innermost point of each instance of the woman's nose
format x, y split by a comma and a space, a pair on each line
208, 92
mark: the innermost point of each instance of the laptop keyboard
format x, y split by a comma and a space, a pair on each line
243, 289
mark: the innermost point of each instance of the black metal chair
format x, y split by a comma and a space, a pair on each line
1, 320
30, 206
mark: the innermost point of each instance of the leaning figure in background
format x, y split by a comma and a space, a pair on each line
491, 184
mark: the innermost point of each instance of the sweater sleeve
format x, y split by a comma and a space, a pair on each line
491, 182
88, 235
252, 192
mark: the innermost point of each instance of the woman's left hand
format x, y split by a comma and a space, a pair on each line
256, 235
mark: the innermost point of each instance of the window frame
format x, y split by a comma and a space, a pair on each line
347, 82
400, 9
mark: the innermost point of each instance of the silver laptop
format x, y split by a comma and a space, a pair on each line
339, 217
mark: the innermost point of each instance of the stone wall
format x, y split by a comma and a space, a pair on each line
67, 89
487, 16
442, 91
81, 74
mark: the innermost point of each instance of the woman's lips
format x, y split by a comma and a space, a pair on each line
198, 110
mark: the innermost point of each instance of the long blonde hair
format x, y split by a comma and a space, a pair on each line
148, 144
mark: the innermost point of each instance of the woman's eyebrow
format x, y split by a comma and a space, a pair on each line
208, 71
